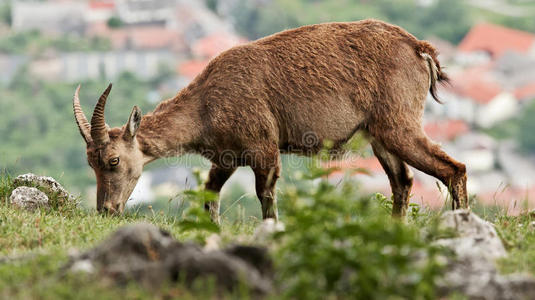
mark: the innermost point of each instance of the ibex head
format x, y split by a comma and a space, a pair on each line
113, 154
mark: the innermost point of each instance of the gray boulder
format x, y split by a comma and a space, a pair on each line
149, 255
48, 185
476, 237
473, 271
265, 231
28, 198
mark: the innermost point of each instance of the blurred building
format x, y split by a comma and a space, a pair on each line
51, 17
78, 66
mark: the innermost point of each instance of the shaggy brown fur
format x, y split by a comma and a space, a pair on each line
289, 92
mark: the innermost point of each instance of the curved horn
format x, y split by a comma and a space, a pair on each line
99, 132
81, 120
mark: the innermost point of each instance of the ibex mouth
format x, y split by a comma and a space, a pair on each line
113, 209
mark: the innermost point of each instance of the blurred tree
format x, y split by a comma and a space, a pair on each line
211, 4
34, 43
5, 13
446, 19
526, 127
114, 22
37, 127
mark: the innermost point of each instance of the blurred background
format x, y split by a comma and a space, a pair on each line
150, 49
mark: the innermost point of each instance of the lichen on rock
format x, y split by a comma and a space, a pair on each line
472, 272
48, 185
28, 198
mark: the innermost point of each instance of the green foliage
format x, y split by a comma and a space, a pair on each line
211, 4
37, 126
195, 218
525, 21
504, 130
5, 13
448, 19
339, 246
6, 187
114, 22
34, 43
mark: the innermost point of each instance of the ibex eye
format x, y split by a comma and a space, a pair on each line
114, 161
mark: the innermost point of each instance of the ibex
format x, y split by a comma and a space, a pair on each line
258, 100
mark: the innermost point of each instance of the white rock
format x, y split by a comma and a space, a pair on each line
476, 237
28, 198
48, 184
473, 271
267, 229
83, 266
213, 243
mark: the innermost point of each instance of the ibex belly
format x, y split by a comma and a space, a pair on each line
311, 128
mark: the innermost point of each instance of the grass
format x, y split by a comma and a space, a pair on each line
35, 244
518, 234
310, 262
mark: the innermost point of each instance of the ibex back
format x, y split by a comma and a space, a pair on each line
287, 92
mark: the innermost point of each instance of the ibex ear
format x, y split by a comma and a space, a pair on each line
133, 123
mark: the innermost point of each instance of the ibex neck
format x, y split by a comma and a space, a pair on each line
171, 129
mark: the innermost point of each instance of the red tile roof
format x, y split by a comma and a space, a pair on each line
102, 4
359, 164
426, 196
191, 68
476, 84
496, 40
212, 45
446, 130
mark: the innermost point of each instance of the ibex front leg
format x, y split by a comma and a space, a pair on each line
412, 146
217, 177
399, 175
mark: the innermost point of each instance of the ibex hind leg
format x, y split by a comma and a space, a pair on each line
413, 147
267, 171
216, 178
399, 175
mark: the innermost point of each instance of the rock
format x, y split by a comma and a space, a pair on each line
255, 256
264, 232
476, 237
473, 272
149, 255
84, 266
48, 185
28, 197
212, 242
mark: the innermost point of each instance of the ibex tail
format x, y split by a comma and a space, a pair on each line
429, 53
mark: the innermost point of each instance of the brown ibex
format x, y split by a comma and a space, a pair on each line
257, 100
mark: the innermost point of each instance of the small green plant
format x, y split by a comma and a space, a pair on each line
339, 245
195, 219
6, 187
